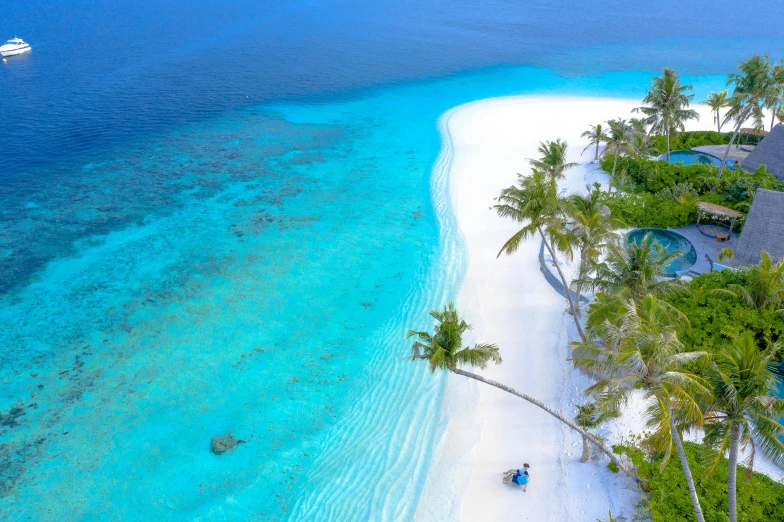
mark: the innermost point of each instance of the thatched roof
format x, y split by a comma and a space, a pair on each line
750, 130
769, 152
718, 210
764, 228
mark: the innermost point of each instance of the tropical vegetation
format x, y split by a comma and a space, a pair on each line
661, 195
666, 106
667, 499
701, 354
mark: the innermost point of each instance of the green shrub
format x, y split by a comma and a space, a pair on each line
717, 319
666, 182
689, 140
648, 210
759, 500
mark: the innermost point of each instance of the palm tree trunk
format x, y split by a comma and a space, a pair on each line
668, 145
612, 176
578, 288
676, 437
732, 475
630, 471
567, 290
586, 450
718, 119
772, 117
741, 119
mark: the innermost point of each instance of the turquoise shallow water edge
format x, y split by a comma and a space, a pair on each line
252, 273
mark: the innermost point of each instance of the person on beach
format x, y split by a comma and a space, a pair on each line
518, 476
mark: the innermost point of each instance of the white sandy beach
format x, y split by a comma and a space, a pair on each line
509, 302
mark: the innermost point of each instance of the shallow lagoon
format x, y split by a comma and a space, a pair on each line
253, 273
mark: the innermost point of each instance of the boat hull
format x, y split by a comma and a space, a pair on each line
14, 52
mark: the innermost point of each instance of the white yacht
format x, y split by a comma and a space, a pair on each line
14, 47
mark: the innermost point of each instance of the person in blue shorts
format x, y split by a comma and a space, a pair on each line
518, 476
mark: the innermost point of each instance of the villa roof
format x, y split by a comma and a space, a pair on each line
769, 152
718, 210
764, 227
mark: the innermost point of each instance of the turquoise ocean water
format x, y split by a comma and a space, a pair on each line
267, 266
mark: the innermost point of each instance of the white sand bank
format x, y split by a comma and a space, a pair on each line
509, 302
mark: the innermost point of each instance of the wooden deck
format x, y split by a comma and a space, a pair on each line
707, 245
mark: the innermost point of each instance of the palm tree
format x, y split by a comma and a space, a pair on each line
535, 202
717, 101
775, 98
553, 159
443, 350
780, 114
592, 230
596, 135
764, 284
641, 351
666, 110
588, 417
620, 142
641, 145
744, 408
752, 86
638, 125
635, 270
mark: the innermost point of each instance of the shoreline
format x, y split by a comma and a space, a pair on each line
509, 302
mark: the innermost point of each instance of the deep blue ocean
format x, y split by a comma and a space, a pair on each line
222, 216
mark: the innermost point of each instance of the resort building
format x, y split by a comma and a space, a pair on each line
764, 227
769, 152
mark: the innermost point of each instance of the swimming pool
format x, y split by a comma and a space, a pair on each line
673, 242
693, 157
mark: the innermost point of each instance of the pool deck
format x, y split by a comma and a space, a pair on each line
736, 153
706, 245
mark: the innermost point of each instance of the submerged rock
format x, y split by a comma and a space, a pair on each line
220, 445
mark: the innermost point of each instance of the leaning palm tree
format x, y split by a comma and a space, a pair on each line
596, 134
752, 86
620, 142
744, 408
641, 351
553, 159
593, 230
717, 101
775, 99
535, 202
666, 108
763, 286
443, 350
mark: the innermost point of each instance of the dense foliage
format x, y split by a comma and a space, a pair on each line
656, 194
689, 140
759, 500
717, 318
647, 210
